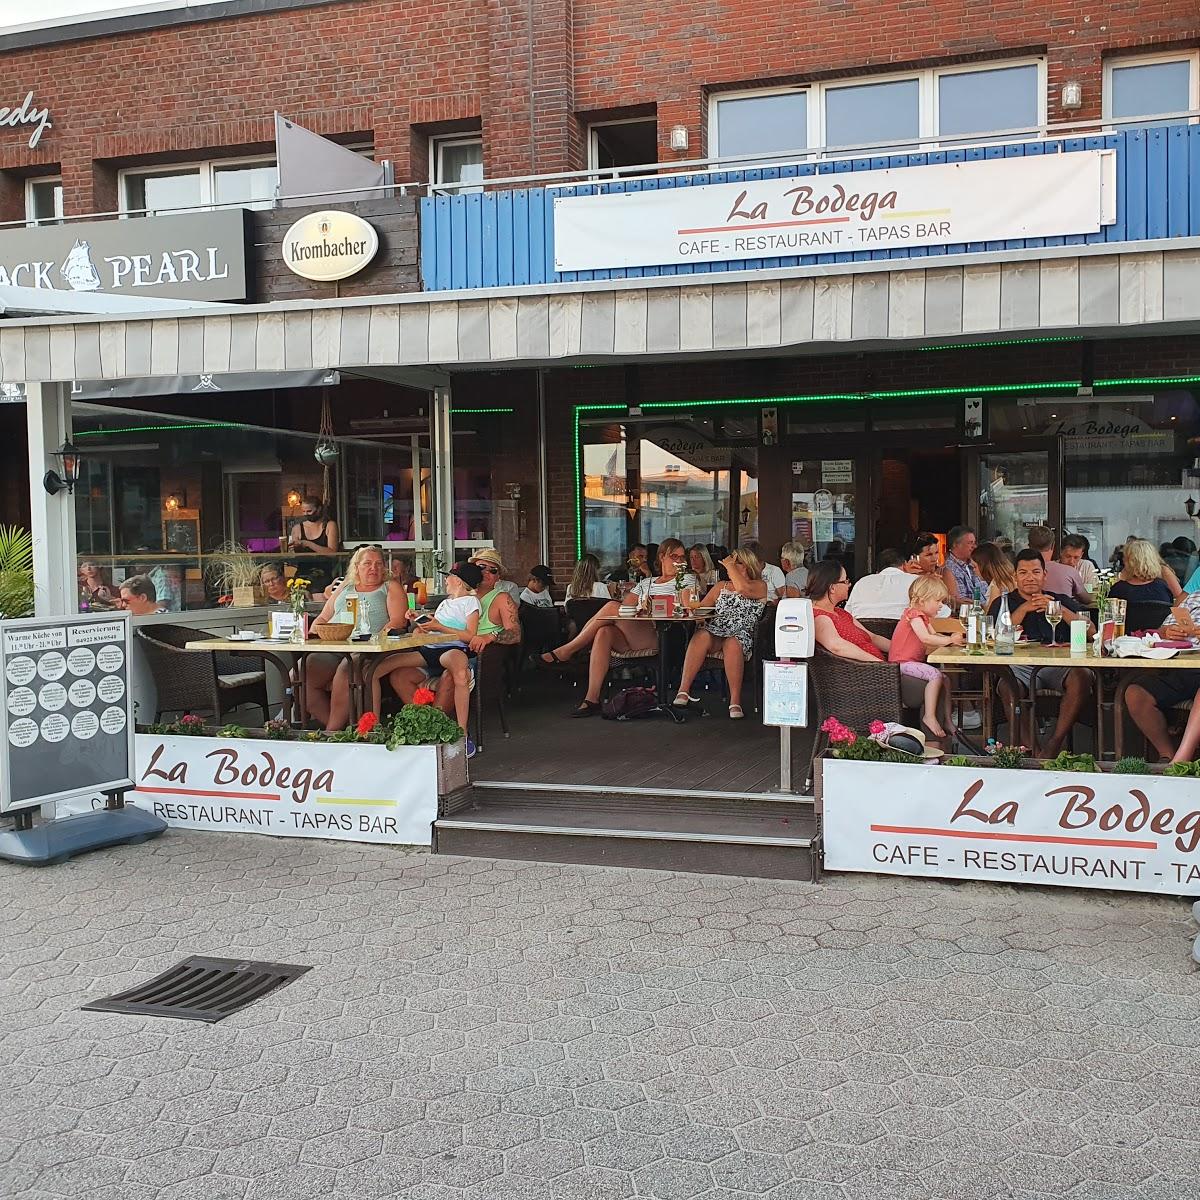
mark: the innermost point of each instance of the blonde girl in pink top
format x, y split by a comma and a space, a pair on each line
914, 638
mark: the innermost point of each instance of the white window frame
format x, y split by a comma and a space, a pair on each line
437, 144
928, 115
1191, 57
206, 168
593, 147
30, 220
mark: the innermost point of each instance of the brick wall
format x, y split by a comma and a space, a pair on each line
400, 71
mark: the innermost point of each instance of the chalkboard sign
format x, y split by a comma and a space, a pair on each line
66, 714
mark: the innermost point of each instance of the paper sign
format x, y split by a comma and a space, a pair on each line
785, 694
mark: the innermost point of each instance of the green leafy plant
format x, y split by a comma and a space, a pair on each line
1180, 770
233, 731
961, 760
1066, 761
349, 734
16, 571
313, 735
279, 730
1131, 765
422, 725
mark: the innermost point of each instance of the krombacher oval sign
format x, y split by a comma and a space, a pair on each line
329, 245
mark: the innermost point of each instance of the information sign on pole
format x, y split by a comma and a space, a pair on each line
785, 694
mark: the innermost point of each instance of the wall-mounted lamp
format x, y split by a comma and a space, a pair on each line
69, 461
745, 514
1189, 506
679, 137
294, 498
173, 503
1071, 95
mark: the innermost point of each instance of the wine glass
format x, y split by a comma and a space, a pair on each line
1053, 617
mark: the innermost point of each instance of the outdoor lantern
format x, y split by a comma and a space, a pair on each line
1071, 95
679, 137
1190, 506
69, 461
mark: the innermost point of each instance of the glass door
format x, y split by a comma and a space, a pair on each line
1015, 486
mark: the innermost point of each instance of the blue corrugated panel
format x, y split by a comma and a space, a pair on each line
474, 217
501, 238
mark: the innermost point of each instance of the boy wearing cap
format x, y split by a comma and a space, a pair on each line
537, 590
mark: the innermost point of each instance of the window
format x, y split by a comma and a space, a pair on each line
893, 111
242, 183
457, 160
631, 143
761, 123
1144, 87
872, 112
978, 101
44, 201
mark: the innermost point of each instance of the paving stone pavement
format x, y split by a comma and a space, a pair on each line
477, 1030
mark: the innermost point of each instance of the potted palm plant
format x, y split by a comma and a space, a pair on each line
16, 572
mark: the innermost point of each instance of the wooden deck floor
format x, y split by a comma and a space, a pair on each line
707, 752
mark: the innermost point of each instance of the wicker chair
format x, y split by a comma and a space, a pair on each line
541, 630
764, 647
854, 692
493, 668
187, 681
580, 612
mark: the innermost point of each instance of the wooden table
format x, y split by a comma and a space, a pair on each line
1038, 656
363, 659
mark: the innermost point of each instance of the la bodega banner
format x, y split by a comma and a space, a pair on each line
984, 201
1128, 832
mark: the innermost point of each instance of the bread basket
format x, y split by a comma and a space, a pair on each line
331, 632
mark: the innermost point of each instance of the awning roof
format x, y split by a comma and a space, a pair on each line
16, 302
1142, 288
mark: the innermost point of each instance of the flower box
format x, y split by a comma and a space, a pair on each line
343, 791
1138, 833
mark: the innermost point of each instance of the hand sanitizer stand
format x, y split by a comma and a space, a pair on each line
785, 681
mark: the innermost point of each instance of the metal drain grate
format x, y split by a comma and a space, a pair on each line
201, 989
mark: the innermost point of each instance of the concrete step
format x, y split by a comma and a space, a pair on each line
762, 836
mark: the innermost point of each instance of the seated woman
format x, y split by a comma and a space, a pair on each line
730, 631
605, 632
585, 582
1145, 578
273, 584
327, 676
700, 563
996, 570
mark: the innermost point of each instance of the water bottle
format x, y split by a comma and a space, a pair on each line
1006, 639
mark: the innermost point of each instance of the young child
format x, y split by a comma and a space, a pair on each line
914, 638
537, 590
458, 613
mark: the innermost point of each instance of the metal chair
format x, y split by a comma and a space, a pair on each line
187, 681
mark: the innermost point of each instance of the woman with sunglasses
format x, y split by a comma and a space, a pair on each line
605, 632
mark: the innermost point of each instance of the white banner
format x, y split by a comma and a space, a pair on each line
354, 793
988, 200
1127, 832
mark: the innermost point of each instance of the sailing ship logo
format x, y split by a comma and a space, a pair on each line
79, 270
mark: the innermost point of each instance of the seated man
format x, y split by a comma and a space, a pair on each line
1027, 607
139, 597
1154, 694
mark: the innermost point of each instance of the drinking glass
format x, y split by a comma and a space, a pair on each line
1053, 617
1116, 611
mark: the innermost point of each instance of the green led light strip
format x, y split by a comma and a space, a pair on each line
156, 428
1057, 385
454, 412
1005, 342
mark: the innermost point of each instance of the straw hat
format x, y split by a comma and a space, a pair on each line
908, 741
489, 556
